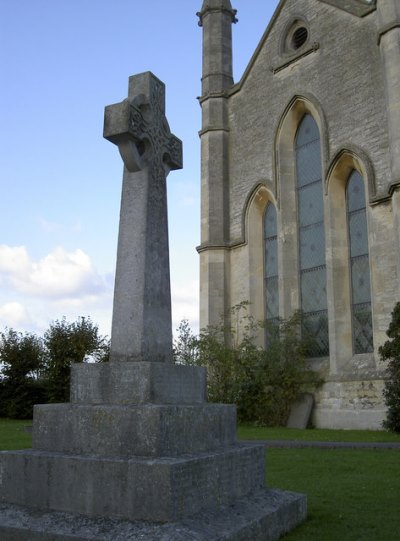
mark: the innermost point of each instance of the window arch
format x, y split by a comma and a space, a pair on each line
359, 264
271, 276
310, 210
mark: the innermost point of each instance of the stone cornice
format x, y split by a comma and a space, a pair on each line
386, 29
314, 48
387, 196
360, 8
211, 95
205, 246
213, 128
215, 9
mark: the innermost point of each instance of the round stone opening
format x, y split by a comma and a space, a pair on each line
299, 38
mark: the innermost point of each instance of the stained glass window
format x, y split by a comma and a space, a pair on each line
310, 207
359, 264
271, 263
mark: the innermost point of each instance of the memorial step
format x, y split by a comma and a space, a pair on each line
145, 430
159, 490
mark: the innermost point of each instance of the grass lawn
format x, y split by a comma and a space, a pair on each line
13, 435
353, 495
315, 434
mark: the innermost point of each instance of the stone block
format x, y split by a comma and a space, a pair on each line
116, 121
158, 490
300, 412
137, 383
143, 430
263, 516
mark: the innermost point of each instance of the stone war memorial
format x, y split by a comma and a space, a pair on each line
138, 453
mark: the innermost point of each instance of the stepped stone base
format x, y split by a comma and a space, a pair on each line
134, 430
139, 454
265, 516
160, 490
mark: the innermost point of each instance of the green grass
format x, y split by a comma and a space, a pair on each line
13, 435
265, 433
353, 495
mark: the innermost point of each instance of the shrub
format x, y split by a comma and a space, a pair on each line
390, 352
22, 357
263, 383
67, 343
37, 370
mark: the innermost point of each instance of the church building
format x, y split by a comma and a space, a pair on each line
300, 202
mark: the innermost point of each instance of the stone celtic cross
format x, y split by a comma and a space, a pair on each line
141, 325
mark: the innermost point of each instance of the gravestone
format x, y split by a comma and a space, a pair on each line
138, 453
301, 411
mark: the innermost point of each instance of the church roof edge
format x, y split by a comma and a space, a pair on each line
359, 8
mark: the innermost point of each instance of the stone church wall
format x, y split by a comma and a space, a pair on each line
339, 78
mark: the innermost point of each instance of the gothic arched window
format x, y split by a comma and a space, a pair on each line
271, 263
310, 208
359, 264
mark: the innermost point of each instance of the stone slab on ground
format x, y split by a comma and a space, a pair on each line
301, 411
264, 516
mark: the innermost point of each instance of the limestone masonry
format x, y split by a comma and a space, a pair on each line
300, 186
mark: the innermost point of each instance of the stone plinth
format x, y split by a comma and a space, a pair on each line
137, 383
263, 516
150, 430
132, 461
157, 489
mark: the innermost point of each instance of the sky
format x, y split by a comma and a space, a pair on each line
62, 62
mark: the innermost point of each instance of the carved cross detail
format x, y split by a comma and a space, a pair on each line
139, 128
141, 324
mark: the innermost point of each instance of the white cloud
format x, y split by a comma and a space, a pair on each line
13, 259
185, 304
13, 314
67, 284
60, 274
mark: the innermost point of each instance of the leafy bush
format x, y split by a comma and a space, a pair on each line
263, 383
36, 370
22, 358
67, 343
390, 352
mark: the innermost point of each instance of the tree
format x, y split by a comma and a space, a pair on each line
262, 382
390, 351
67, 343
22, 357
186, 345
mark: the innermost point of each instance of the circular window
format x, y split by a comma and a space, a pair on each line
299, 37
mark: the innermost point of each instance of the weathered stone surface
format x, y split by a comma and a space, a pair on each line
155, 489
248, 161
137, 383
300, 412
126, 431
141, 324
263, 516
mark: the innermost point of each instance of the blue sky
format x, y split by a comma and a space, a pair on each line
62, 62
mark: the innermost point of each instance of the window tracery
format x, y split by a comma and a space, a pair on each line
311, 232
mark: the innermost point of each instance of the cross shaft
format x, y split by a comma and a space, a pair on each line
141, 325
